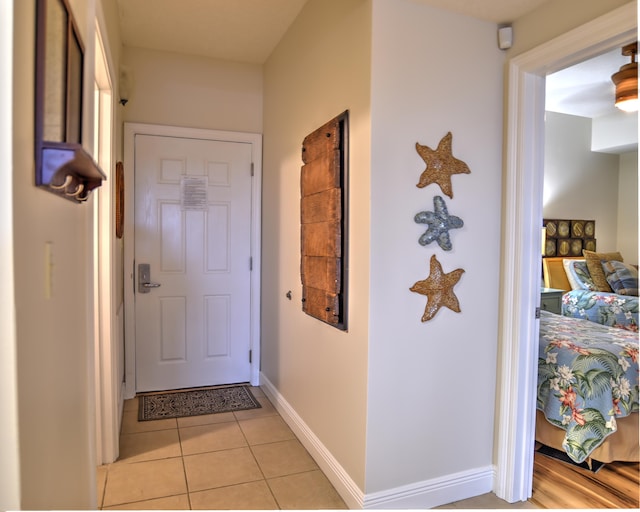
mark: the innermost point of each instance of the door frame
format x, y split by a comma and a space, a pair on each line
108, 388
522, 215
255, 139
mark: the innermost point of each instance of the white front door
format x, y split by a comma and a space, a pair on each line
193, 230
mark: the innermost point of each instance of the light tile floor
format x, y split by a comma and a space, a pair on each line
241, 460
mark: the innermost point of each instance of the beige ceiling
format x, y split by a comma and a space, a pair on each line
248, 30
235, 30
497, 11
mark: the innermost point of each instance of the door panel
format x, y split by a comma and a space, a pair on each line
193, 226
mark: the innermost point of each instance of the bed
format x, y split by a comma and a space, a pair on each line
583, 298
588, 311
587, 395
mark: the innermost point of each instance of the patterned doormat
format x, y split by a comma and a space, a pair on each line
195, 402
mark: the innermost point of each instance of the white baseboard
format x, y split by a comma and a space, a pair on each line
346, 487
434, 492
426, 494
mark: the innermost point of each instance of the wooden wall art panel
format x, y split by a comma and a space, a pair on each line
323, 222
566, 237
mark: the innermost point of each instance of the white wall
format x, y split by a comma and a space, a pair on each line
53, 336
628, 207
615, 133
320, 69
9, 438
432, 384
579, 183
190, 91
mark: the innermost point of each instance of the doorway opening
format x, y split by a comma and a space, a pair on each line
107, 395
522, 212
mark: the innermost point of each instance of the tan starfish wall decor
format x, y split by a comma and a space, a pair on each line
438, 288
441, 165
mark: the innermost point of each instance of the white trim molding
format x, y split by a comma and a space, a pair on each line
108, 342
434, 492
427, 494
255, 139
521, 237
346, 487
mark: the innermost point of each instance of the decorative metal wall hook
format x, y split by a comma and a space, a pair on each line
77, 191
83, 198
72, 187
71, 172
67, 181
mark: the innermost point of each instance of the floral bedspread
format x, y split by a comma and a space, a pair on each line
587, 377
604, 308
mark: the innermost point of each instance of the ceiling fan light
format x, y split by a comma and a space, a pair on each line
626, 82
630, 105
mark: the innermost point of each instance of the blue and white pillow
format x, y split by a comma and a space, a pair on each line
622, 277
578, 275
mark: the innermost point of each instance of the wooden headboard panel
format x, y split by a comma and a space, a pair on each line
554, 274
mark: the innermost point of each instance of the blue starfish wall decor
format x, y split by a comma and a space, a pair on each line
439, 222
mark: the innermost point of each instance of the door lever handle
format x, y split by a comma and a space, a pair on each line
144, 278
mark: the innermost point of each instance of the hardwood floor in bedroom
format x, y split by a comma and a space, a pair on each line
560, 485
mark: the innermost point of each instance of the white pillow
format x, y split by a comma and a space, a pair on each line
578, 274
